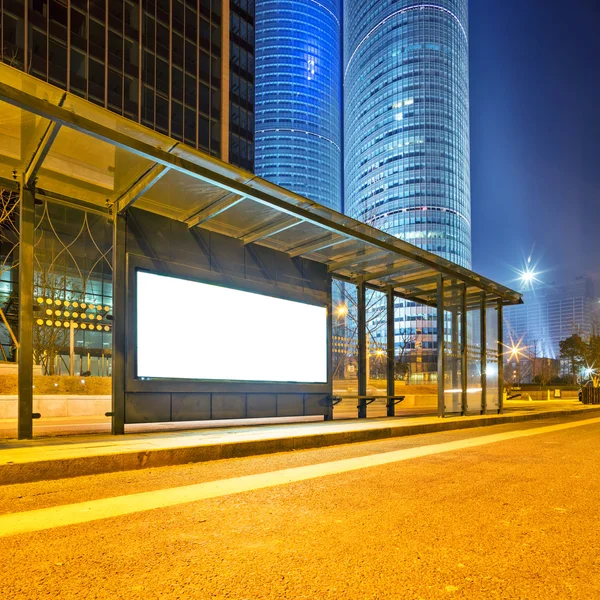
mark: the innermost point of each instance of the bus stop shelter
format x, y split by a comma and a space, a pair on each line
58, 148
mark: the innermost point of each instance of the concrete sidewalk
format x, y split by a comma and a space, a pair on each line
59, 457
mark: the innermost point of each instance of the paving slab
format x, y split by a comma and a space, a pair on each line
70, 456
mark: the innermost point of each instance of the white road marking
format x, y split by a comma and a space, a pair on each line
93, 510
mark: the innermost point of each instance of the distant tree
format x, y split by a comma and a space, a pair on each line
573, 350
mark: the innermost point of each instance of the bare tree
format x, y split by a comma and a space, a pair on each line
375, 320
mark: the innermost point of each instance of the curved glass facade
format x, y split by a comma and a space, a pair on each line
298, 97
406, 86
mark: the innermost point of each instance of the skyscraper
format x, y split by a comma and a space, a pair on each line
406, 106
551, 313
161, 64
298, 97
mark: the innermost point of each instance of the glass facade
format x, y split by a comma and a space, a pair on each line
406, 86
298, 97
157, 63
241, 94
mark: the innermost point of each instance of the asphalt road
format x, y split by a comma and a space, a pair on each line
507, 512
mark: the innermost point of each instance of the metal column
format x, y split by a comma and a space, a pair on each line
441, 367
464, 354
362, 348
454, 342
500, 359
119, 324
391, 353
483, 356
25, 360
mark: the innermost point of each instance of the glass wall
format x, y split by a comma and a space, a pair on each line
298, 97
72, 328
492, 360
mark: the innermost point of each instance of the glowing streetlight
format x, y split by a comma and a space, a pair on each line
515, 350
528, 276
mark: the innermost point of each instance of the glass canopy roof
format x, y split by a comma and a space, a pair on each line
74, 152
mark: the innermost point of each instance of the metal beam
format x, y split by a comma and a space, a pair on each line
353, 261
388, 271
212, 172
321, 243
483, 356
37, 160
140, 187
269, 229
417, 281
429, 301
43, 147
382, 288
441, 358
391, 352
214, 210
25, 358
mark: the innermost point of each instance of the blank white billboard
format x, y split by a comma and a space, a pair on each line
192, 330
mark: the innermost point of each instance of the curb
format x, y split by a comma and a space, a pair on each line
60, 468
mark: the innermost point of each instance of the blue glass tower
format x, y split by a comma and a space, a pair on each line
298, 97
406, 94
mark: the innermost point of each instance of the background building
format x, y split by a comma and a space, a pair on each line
406, 144
551, 313
161, 64
182, 68
406, 83
298, 97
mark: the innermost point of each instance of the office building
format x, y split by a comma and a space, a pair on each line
161, 64
298, 97
406, 95
551, 313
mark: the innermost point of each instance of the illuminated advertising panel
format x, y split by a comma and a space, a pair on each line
192, 330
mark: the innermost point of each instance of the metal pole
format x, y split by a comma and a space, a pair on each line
500, 359
25, 376
441, 367
464, 347
71, 349
483, 358
119, 324
391, 352
362, 348
454, 341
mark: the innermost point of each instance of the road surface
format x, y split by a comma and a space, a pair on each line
507, 512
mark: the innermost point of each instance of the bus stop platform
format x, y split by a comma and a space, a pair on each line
45, 458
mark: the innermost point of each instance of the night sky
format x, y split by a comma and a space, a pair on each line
535, 137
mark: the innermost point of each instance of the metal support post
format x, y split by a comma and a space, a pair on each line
464, 354
25, 361
391, 353
328, 416
362, 348
483, 356
500, 359
441, 367
454, 342
119, 323
71, 349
